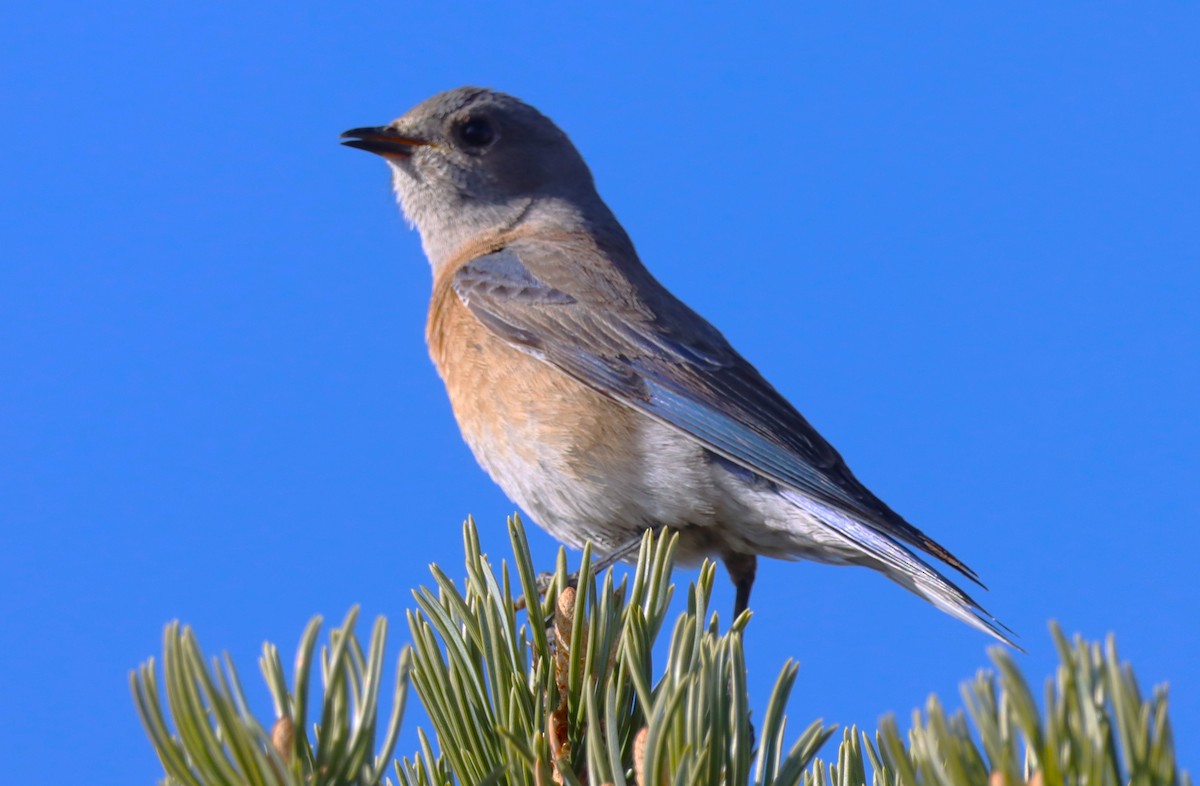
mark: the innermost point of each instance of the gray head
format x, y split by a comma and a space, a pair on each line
471, 162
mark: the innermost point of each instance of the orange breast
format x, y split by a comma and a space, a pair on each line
583, 465
542, 436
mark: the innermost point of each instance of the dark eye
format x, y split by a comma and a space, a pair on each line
476, 132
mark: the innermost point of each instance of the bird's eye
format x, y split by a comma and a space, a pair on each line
476, 132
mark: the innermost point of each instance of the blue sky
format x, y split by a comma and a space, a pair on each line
963, 239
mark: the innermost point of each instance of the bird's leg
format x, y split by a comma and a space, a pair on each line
544, 579
741, 568
616, 555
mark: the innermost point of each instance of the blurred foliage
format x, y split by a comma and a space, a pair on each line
567, 693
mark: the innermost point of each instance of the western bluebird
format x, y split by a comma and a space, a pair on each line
595, 398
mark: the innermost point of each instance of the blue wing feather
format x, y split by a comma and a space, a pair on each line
703, 387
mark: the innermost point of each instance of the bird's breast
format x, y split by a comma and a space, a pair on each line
583, 465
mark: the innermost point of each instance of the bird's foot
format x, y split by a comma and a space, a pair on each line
542, 584
544, 581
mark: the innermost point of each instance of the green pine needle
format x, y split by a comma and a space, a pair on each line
566, 691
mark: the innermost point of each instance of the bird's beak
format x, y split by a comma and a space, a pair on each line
382, 140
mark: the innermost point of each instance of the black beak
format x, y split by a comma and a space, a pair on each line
381, 140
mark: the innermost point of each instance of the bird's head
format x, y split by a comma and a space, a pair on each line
473, 161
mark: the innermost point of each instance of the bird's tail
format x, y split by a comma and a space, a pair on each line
904, 567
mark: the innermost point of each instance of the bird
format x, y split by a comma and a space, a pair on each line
598, 401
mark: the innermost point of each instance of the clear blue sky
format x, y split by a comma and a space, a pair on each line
964, 240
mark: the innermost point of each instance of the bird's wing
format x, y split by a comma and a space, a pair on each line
663, 360
674, 367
